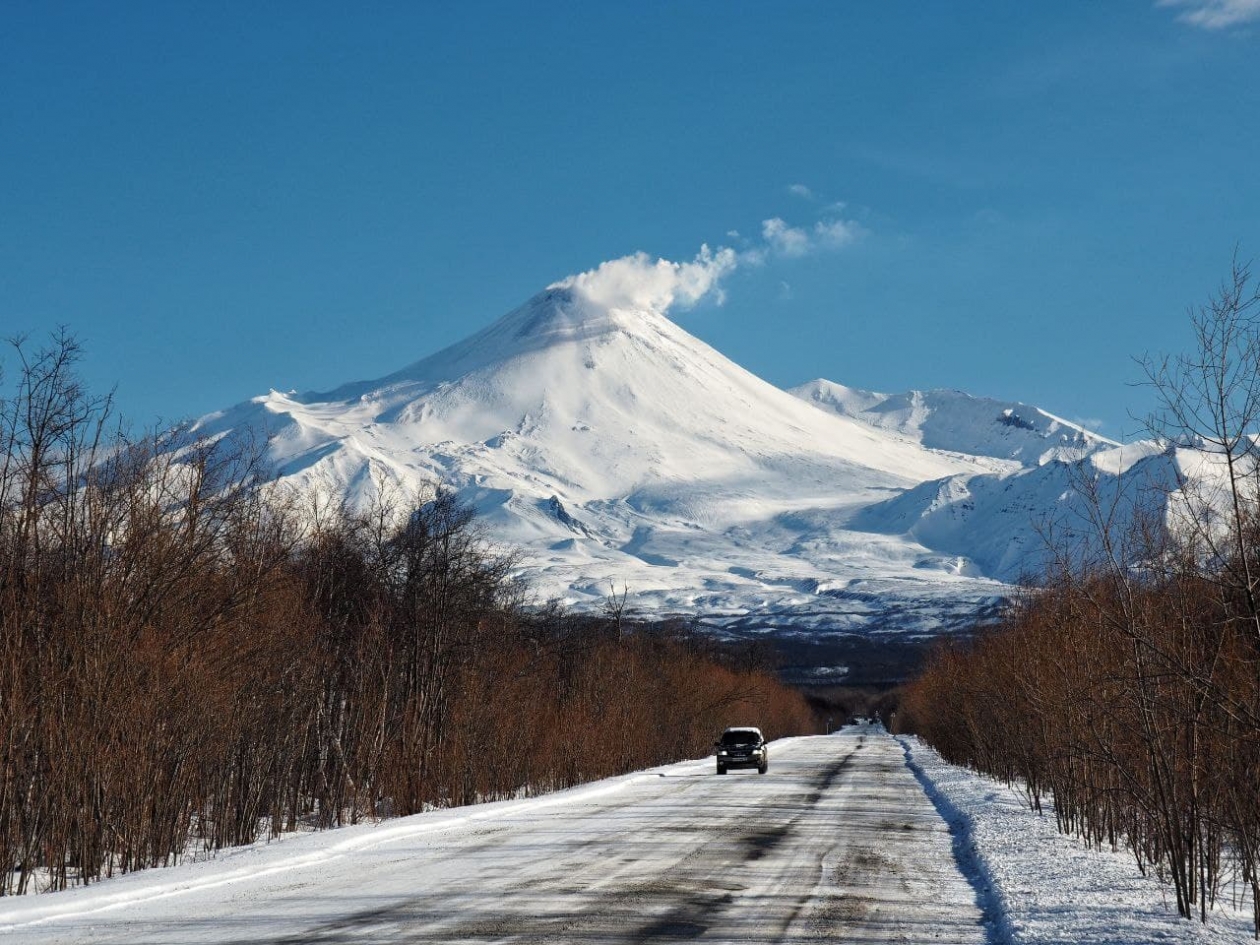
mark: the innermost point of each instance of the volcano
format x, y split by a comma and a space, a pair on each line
608, 447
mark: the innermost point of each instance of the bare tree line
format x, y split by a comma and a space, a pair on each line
1128, 688
190, 661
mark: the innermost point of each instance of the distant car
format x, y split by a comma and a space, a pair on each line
742, 748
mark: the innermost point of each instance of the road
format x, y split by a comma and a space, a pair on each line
837, 843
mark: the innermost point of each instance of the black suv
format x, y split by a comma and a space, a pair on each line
742, 748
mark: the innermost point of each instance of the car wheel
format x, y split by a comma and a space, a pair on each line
721, 769
763, 769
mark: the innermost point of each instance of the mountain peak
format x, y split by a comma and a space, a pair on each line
563, 312
630, 295
555, 315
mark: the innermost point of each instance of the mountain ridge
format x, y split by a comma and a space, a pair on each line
956, 421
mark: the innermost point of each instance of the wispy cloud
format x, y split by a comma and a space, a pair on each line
800, 190
1215, 14
793, 241
837, 233
784, 239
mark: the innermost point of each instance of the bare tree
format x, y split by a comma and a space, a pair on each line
615, 606
1129, 685
1210, 400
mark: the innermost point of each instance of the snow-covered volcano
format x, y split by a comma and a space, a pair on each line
608, 445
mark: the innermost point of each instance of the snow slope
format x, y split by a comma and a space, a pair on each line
1005, 523
1045, 477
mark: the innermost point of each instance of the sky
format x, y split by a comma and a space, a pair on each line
1015, 200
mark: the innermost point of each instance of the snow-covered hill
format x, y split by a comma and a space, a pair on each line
1039, 469
1004, 524
607, 444
956, 422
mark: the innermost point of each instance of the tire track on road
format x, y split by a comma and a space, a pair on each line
837, 842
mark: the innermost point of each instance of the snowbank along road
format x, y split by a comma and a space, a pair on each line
838, 842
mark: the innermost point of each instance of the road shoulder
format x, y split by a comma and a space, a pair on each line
1047, 887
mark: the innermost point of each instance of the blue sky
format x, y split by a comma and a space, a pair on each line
223, 198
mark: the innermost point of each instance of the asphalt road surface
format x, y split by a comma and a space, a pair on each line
837, 843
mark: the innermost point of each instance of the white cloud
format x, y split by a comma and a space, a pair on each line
637, 283
800, 190
837, 233
1215, 14
784, 239
795, 241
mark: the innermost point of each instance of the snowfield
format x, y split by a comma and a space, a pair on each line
854, 837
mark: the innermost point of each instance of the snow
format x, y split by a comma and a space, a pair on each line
1001, 523
956, 422
855, 836
836, 837
1042, 886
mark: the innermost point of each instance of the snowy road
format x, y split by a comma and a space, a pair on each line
838, 842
